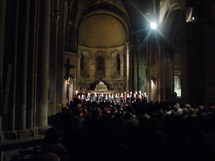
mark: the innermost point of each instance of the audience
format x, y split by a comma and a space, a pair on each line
138, 131
52, 145
49, 157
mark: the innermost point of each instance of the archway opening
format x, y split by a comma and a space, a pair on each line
103, 34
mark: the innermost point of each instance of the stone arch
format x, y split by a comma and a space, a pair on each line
112, 5
85, 53
168, 7
114, 53
170, 20
117, 4
106, 26
103, 28
97, 53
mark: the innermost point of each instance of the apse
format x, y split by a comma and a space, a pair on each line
102, 43
102, 30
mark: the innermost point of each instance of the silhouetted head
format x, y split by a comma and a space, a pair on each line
49, 157
51, 136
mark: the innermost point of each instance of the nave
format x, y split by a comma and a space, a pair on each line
102, 50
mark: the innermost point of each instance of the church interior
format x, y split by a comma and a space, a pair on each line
54, 52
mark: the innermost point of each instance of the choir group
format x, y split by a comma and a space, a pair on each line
116, 98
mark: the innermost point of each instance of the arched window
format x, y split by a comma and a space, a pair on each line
100, 65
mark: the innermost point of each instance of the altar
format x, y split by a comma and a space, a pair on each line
100, 88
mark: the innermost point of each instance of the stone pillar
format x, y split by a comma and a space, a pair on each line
135, 66
170, 77
24, 71
121, 55
148, 71
127, 66
61, 49
57, 17
34, 29
141, 69
152, 69
166, 74
32, 59
184, 61
149, 55
1, 131
53, 59
12, 133
43, 65
78, 68
2, 29
138, 64
161, 84
131, 67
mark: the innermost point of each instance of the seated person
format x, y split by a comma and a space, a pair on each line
53, 145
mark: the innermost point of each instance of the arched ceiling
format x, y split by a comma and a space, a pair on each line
167, 6
116, 3
102, 29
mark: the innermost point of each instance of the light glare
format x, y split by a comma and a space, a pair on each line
154, 25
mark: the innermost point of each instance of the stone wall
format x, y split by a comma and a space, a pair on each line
106, 64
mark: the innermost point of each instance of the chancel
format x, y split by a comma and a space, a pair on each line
99, 64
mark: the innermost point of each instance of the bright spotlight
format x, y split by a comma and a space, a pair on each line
153, 25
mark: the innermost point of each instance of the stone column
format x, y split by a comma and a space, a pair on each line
1, 132
166, 81
135, 66
184, 61
141, 68
23, 100
61, 49
131, 67
138, 64
121, 57
152, 69
2, 29
53, 59
12, 133
34, 29
149, 69
127, 66
79, 64
57, 17
32, 66
43, 65
170, 77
